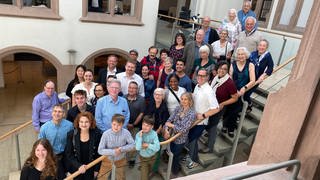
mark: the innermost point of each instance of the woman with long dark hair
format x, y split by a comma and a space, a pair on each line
78, 78
41, 164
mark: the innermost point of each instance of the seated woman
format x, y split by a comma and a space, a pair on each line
100, 90
221, 49
180, 121
173, 93
242, 73
263, 64
82, 146
41, 164
163, 73
88, 85
78, 78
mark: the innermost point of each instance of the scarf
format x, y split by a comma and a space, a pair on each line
216, 82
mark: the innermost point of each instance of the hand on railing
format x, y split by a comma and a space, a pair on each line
98, 160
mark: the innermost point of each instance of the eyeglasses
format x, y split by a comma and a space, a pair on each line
116, 88
202, 76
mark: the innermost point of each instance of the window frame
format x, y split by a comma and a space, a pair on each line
292, 26
112, 18
258, 9
18, 10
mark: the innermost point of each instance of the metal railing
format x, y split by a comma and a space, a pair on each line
101, 158
190, 33
236, 139
295, 163
16, 133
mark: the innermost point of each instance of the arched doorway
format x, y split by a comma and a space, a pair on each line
27, 64
98, 59
23, 71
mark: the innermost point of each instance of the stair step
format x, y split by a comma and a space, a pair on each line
14, 175
221, 146
259, 100
186, 171
262, 92
249, 127
209, 159
255, 114
228, 139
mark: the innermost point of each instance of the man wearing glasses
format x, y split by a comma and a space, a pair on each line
43, 103
111, 104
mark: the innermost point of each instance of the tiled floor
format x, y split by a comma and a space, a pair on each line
23, 80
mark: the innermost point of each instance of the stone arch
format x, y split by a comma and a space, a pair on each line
116, 51
29, 49
96, 61
34, 50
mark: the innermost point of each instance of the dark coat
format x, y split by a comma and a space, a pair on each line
72, 151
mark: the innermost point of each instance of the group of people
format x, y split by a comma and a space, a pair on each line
188, 89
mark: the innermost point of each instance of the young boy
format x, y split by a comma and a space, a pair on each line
148, 145
114, 143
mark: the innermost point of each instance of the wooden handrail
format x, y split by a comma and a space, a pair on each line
284, 64
23, 125
96, 161
15, 130
296, 36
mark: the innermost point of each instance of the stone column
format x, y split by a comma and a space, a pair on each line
289, 128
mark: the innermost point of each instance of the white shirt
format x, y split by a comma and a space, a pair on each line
125, 80
172, 101
204, 100
95, 3
90, 93
221, 51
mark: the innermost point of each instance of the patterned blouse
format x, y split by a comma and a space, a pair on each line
175, 53
182, 123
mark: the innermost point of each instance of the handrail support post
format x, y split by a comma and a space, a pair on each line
236, 139
170, 154
18, 151
113, 172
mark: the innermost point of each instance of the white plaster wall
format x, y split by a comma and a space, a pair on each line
217, 9
58, 36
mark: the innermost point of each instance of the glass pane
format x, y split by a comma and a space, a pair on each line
37, 3
287, 12
98, 5
124, 7
305, 12
6, 2
265, 9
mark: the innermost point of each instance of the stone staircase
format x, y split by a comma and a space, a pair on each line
223, 144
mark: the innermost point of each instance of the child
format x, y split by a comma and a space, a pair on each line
148, 145
114, 143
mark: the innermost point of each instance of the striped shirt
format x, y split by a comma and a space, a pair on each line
111, 140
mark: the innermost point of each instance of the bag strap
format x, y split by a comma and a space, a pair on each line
171, 90
225, 53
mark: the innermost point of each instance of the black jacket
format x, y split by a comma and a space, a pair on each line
72, 150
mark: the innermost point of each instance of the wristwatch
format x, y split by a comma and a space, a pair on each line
204, 116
